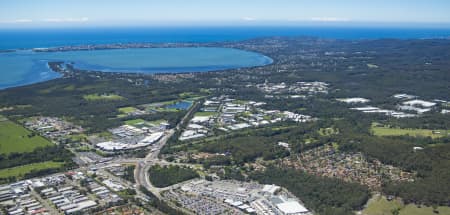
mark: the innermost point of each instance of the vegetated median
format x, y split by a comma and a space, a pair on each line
170, 175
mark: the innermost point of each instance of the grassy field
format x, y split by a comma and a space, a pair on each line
141, 122
78, 137
15, 138
186, 95
127, 110
379, 205
104, 97
20, 171
157, 122
386, 131
135, 121
205, 113
69, 88
423, 210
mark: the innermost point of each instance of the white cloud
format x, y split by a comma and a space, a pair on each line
329, 19
248, 19
17, 21
82, 19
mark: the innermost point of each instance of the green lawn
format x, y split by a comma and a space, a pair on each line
173, 110
386, 131
127, 109
135, 121
380, 206
141, 122
104, 97
186, 95
205, 113
15, 138
78, 137
70, 88
423, 210
20, 171
157, 122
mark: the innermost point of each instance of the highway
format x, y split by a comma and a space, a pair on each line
143, 165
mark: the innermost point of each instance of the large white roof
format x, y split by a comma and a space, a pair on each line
291, 207
354, 100
270, 188
420, 102
111, 145
198, 119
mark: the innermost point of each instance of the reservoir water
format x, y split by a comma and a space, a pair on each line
24, 67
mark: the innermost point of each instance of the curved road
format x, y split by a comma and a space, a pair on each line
143, 165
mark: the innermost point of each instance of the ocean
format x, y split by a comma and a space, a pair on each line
41, 38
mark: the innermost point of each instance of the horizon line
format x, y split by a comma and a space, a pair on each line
240, 23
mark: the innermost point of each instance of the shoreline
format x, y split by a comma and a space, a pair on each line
131, 45
63, 69
123, 46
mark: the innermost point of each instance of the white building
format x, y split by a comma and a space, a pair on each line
292, 208
418, 102
404, 96
114, 145
271, 188
354, 100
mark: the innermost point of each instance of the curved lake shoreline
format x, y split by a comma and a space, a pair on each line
28, 67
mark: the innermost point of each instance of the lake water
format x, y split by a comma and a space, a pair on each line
25, 67
182, 105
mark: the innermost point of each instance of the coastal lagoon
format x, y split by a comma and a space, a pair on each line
24, 67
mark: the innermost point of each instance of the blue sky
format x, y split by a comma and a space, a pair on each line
68, 13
